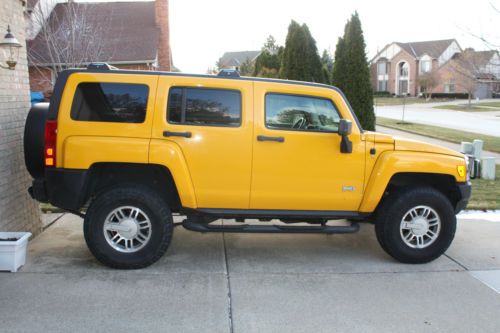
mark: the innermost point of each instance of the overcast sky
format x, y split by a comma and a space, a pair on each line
201, 31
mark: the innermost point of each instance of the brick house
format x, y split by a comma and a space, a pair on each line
135, 36
18, 212
397, 67
470, 70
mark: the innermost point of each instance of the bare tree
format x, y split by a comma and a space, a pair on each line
70, 36
467, 70
428, 81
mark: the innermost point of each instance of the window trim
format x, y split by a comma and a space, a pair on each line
111, 122
298, 129
183, 107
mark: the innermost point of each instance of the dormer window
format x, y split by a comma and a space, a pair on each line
425, 66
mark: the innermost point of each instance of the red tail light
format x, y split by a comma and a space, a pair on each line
50, 143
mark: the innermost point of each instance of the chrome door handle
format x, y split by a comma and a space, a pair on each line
270, 138
181, 134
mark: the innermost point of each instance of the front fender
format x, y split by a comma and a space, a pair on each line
392, 162
169, 154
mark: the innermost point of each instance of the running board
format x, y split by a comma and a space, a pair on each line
252, 228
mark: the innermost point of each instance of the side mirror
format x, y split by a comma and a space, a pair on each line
345, 129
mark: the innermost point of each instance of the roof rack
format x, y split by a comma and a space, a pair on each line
100, 66
229, 73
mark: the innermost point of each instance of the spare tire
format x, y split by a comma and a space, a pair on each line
34, 139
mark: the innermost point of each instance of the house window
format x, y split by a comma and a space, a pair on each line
382, 85
425, 66
204, 106
403, 69
382, 68
449, 87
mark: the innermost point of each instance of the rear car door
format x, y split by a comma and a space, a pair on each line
211, 121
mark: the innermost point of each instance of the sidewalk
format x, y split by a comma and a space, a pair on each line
256, 283
447, 144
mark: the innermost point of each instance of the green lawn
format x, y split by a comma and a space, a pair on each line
384, 101
492, 104
466, 108
491, 143
485, 193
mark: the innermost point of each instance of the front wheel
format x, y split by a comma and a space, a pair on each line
416, 225
128, 227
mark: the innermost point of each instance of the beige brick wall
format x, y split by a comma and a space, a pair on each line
18, 212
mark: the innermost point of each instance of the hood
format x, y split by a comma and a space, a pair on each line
414, 145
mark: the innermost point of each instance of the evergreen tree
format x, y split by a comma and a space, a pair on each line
268, 62
300, 59
351, 72
327, 63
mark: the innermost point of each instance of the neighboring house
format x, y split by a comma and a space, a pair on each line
397, 67
233, 60
478, 71
135, 36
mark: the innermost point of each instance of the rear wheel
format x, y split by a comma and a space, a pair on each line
128, 227
416, 225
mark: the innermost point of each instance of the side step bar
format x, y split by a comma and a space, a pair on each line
252, 228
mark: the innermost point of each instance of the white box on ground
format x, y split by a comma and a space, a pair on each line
13, 253
467, 148
478, 148
488, 168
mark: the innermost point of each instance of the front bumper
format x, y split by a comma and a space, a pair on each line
464, 191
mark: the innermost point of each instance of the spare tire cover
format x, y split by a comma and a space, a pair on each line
34, 139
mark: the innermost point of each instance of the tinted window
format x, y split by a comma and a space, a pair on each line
110, 102
204, 106
301, 113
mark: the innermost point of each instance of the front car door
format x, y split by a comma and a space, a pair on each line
297, 163
211, 121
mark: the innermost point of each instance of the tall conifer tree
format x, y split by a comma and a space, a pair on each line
351, 72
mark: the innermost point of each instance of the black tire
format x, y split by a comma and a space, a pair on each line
391, 213
155, 209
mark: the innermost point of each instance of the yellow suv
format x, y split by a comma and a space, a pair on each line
127, 149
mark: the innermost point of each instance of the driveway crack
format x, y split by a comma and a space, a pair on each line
228, 280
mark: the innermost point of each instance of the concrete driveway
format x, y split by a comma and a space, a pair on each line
476, 122
256, 283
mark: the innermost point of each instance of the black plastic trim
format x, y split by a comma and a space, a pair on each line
465, 191
66, 187
64, 75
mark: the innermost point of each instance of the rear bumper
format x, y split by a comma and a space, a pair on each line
63, 188
465, 191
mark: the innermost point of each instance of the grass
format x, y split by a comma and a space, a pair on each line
48, 208
491, 143
465, 107
485, 193
491, 104
385, 101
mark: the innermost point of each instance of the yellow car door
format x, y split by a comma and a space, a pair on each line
211, 122
297, 162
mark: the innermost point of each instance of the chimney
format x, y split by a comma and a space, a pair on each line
164, 52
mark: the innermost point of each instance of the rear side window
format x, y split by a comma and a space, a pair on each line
204, 106
110, 102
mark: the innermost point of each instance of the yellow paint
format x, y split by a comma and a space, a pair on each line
390, 163
226, 167
82, 143
307, 171
219, 159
